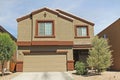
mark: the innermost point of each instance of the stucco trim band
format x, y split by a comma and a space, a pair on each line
45, 43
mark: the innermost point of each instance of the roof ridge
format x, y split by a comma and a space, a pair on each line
73, 16
47, 9
4, 30
58, 12
109, 26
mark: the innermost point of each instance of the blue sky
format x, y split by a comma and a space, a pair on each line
100, 12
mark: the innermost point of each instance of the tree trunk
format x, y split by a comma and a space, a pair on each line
2, 65
98, 71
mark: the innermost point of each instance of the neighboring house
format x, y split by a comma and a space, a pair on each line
112, 33
2, 30
52, 40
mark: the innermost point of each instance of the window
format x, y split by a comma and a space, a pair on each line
45, 29
105, 36
81, 31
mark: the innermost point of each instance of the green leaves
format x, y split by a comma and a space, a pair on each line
100, 56
80, 68
7, 49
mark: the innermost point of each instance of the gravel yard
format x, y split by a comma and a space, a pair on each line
10, 76
108, 75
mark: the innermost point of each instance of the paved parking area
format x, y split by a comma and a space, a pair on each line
44, 76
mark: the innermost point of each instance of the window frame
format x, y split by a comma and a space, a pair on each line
37, 31
77, 26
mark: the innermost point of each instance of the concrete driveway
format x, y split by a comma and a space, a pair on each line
44, 76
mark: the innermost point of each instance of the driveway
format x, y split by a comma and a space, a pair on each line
44, 76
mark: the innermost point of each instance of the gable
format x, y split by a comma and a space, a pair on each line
42, 10
75, 17
59, 13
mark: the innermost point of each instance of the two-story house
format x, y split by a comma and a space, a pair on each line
112, 33
52, 40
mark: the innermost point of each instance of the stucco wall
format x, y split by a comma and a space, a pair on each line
24, 30
63, 27
45, 49
64, 31
112, 32
90, 33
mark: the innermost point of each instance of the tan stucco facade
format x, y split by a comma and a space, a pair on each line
64, 34
61, 25
112, 34
24, 30
45, 49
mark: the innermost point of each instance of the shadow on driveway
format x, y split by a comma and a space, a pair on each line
44, 76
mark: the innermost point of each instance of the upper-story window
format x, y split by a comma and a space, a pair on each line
45, 29
81, 31
105, 36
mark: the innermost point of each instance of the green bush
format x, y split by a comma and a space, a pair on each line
80, 68
100, 57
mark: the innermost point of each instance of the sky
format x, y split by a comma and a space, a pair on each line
101, 12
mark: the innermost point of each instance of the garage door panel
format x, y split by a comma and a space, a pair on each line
42, 58
42, 61
45, 62
45, 70
44, 65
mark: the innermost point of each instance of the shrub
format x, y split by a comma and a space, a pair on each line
80, 68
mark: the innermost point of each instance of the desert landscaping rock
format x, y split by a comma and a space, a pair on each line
108, 75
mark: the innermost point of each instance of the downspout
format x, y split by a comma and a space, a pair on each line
31, 17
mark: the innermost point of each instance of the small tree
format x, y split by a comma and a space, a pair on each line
7, 49
100, 57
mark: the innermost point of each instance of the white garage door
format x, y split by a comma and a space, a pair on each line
44, 62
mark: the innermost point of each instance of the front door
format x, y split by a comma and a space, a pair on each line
80, 55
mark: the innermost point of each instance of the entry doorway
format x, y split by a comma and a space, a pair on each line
80, 55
